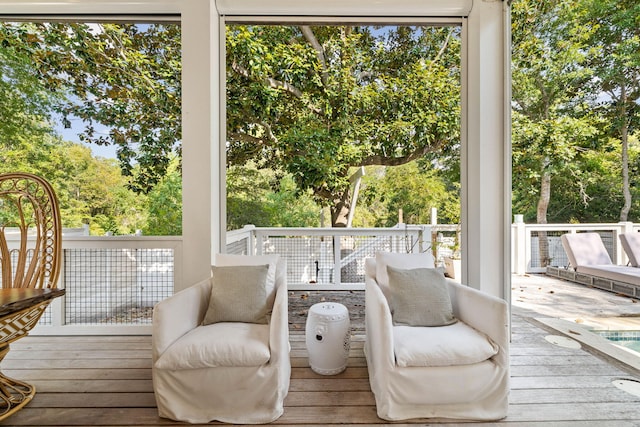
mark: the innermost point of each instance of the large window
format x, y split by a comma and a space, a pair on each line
95, 108
354, 125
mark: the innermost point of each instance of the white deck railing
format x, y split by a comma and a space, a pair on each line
525, 243
112, 283
329, 258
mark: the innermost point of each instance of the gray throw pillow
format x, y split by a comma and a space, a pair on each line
238, 294
419, 297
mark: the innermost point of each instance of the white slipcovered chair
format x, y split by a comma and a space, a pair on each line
207, 364
459, 370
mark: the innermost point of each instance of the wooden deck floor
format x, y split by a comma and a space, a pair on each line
106, 381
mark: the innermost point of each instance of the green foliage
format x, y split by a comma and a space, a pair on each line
164, 204
551, 125
90, 190
42, 67
317, 101
307, 105
575, 96
615, 39
409, 188
307, 102
24, 99
122, 77
267, 198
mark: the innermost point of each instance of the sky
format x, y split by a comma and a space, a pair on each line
71, 134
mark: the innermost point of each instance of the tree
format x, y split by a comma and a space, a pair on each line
616, 36
90, 190
591, 196
267, 198
409, 188
315, 101
320, 101
121, 80
25, 102
164, 204
551, 123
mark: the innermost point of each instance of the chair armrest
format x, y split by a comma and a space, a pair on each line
379, 325
485, 313
279, 325
175, 316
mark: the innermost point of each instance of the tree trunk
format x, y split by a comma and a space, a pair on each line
541, 214
624, 139
340, 209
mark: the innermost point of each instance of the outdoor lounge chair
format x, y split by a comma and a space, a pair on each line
447, 370
631, 245
221, 347
589, 257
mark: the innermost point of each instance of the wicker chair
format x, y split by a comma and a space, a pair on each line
28, 208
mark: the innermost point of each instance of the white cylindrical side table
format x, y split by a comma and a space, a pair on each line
328, 337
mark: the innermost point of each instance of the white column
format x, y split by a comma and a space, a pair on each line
486, 156
199, 133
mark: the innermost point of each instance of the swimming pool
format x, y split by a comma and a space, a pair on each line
627, 339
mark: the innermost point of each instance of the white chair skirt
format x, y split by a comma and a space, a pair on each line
239, 395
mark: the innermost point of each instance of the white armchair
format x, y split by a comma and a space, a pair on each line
229, 371
458, 371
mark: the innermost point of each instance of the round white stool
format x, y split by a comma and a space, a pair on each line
328, 337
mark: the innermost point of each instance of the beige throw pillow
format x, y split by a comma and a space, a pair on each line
277, 269
238, 294
419, 297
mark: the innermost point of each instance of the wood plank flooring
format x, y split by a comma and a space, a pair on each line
106, 381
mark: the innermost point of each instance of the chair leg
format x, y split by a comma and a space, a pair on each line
14, 394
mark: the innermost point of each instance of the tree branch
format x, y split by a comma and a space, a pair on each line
443, 48
271, 82
276, 84
397, 161
313, 41
245, 137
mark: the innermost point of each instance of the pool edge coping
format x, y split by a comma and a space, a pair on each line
592, 340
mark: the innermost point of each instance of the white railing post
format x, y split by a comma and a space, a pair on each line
251, 239
337, 270
519, 256
259, 241
324, 263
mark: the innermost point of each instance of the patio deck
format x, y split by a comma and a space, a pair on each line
106, 381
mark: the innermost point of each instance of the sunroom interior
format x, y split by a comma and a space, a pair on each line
106, 380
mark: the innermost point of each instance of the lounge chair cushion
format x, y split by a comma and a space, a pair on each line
220, 344
619, 273
453, 345
585, 249
419, 297
631, 244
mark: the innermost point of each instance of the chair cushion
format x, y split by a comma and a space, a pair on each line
631, 244
419, 297
216, 345
585, 249
456, 344
238, 294
277, 268
398, 260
